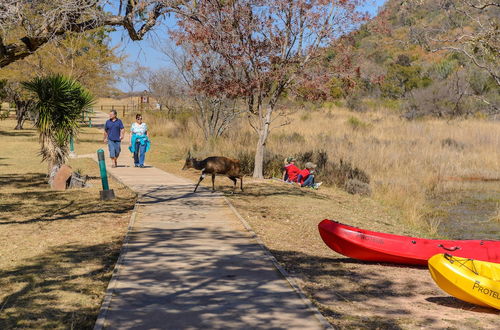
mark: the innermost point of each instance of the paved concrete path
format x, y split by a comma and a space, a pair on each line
190, 264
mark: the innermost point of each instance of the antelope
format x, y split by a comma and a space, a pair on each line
216, 165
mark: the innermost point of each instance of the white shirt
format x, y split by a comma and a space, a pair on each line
139, 129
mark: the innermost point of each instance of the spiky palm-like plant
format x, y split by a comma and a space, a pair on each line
60, 102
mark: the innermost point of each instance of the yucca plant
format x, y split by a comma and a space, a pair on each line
60, 103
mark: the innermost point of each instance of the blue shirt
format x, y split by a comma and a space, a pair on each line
113, 129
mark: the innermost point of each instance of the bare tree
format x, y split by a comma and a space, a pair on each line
261, 47
471, 28
214, 112
133, 74
44, 20
167, 87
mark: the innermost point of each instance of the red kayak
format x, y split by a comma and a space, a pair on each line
380, 247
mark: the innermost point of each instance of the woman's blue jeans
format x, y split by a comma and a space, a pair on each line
309, 181
139, 153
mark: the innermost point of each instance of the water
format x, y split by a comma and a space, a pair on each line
467, 210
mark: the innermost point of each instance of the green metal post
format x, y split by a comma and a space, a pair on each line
71, 145
102, 168
106, 193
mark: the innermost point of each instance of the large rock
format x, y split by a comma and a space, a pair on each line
60, 180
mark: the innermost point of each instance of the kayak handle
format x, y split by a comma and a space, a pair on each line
449, 249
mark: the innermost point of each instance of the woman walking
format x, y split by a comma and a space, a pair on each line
139, 142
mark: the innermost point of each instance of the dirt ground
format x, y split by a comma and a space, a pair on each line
351, 294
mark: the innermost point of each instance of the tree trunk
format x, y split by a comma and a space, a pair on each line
258, 170
21, 112
20, 122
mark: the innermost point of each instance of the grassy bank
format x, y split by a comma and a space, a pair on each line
57, 249
351, 294
409, 163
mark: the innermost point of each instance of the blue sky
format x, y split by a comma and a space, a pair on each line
144, 53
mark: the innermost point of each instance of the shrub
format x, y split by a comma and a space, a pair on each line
339, 173
451, 143
402, 77
357, 124
305, 116
183, 118
354, 102
273, 163
354, 187
305, 157
247, 161
294, 137
321, 159
446, 98
342, 174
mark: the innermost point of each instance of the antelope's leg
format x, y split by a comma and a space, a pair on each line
241, 182
213, 182
234, 182
202, 176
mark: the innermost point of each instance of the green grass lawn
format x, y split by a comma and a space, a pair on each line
57, 249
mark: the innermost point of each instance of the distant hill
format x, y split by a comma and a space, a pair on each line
390, 61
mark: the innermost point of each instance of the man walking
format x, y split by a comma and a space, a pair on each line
113, 135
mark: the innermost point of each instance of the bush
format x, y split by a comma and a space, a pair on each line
183, 118
289, 138
305, 157
446, 98
247, 161
273, 163
354, 102
402, 77
342, 174
357, 187
357, 124
339, 173
305, 116
453, 144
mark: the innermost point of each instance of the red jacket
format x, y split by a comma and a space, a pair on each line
305, 173
292, 171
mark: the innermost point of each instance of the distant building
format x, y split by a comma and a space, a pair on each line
144, 98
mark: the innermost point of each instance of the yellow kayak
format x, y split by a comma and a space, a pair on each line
474, 281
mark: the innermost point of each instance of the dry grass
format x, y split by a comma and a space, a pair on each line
401, 161
406, 161
57, 249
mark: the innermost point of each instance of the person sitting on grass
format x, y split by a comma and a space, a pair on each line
290, 171
306, 177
